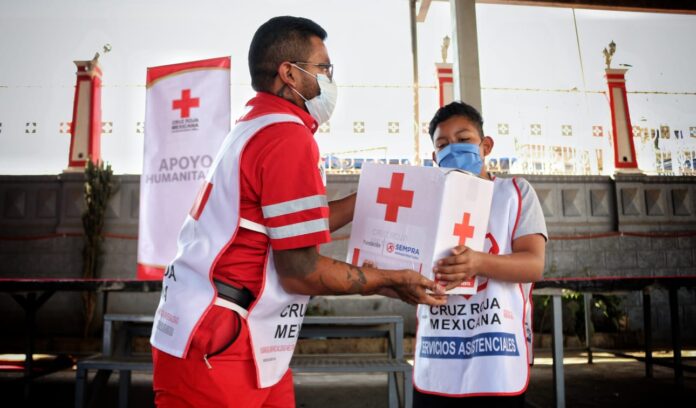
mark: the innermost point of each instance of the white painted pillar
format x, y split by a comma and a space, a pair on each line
467, 78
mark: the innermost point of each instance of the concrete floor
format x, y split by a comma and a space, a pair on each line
609, 382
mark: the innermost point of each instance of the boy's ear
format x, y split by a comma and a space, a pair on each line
434, 157
487, 144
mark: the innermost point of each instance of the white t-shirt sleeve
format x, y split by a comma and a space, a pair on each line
531, 215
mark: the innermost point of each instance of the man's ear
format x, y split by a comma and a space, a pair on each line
487, 145
284, 81
285, 74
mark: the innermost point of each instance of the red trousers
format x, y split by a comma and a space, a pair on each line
228, 379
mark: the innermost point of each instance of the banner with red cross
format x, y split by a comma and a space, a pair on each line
409, 217
187, 116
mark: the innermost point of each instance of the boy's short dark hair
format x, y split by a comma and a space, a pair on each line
279, 39
456, 108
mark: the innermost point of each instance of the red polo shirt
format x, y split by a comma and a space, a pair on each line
281, 187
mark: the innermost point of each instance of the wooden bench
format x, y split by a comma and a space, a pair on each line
119, 328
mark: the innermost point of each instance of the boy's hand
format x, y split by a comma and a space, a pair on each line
463, 264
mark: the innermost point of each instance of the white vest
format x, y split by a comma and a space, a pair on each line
275, 317
476, 345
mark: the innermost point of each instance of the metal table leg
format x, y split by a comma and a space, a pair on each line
80, 387
31, 304
408, 389
124, 382
99, 384
589, 330
647, 332
557, 334
676, 336
107, 334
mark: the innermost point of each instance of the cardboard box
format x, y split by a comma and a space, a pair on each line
410, 217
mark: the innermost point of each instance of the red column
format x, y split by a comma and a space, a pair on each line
85, 132
445, 86
624, 150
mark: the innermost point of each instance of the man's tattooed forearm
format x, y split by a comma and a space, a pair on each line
361, 275
354, 276
357, 279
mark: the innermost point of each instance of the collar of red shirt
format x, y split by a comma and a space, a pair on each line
265, 103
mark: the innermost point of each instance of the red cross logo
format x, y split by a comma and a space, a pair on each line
185, 103
464, 230
394, 197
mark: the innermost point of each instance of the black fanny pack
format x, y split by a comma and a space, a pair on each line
242, 297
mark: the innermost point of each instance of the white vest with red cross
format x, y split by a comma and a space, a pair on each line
211, 226
476, 345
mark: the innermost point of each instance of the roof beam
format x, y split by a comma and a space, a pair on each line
423, 10
654, 6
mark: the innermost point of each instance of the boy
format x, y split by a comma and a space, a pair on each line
488, 334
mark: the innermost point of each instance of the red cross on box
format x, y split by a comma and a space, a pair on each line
394, 197
185, 103
464, 230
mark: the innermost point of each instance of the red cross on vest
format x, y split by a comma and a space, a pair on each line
185, 103
394, 197
464, 230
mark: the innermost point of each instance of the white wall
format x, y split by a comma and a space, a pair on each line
529, 63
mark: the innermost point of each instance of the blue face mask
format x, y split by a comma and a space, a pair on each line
463, 156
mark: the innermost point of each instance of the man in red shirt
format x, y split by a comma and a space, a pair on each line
248, 257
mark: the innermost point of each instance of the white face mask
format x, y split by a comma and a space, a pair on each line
321, 106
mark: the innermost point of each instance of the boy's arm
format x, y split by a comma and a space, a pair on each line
341, 212
525, 264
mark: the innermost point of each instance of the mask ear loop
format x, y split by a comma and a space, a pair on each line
298, 92
306, 72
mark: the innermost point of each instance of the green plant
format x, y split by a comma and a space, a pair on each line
98, 189
606, 313
613, 317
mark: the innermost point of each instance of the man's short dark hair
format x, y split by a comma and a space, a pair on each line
279, 39
456, 108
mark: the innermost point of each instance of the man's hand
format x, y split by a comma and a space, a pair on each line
463, 264
304, 271
411, 286
406, 295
